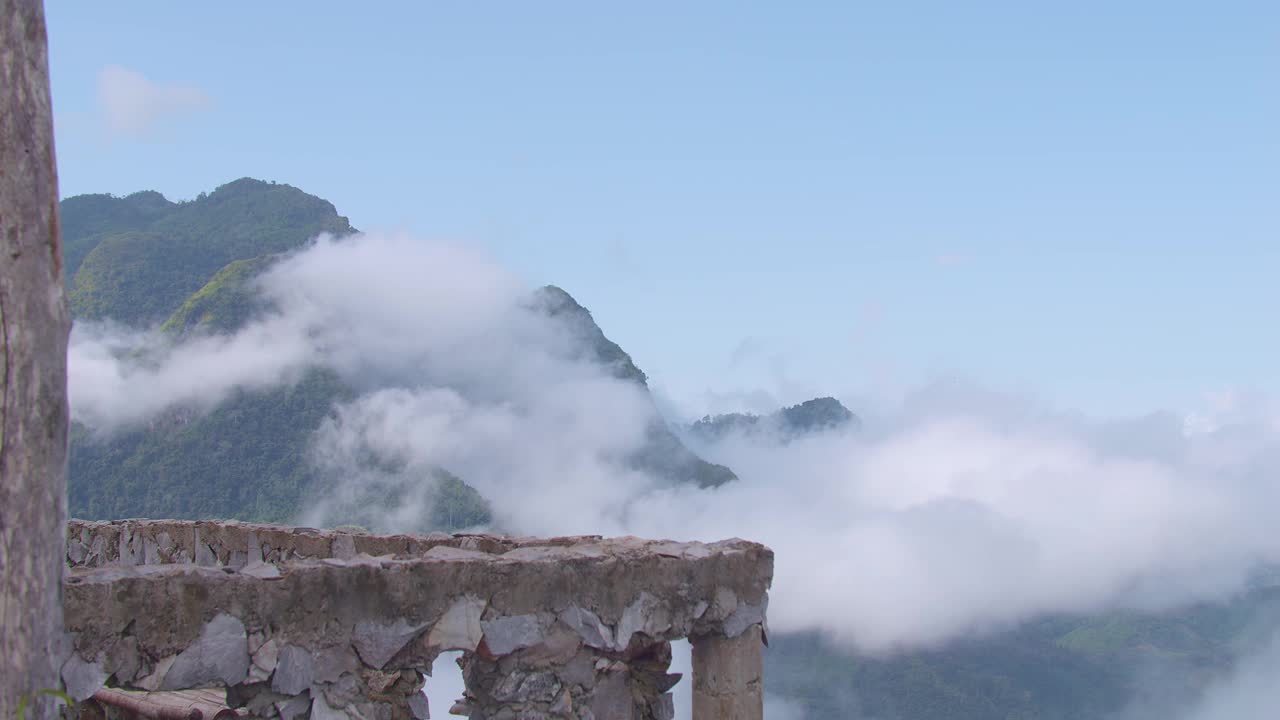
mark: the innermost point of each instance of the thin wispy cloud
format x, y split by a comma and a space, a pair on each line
133, 105
747, 348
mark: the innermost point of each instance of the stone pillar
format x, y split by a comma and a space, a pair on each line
727, 676
33, 374
563, 679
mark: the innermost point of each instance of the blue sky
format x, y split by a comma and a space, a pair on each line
1079, 201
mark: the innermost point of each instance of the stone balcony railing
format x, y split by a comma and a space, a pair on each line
296, 622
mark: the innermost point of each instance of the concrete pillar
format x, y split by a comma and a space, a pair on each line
33, 375
728, 676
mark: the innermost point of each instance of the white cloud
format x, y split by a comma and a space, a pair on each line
133, 105
939, 523
122, 377
959, 509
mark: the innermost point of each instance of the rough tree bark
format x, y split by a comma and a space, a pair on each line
33, 370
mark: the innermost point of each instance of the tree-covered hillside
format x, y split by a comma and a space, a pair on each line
142, 260
225, 303
244, 460
136, 259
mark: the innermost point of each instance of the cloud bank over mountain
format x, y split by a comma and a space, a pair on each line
959, 509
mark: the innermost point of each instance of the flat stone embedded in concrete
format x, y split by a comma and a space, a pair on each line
588, 626
82, 679
504, 636
612, 698
378, 642
219, 656
294, 672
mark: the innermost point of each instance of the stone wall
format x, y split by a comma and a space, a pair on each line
297, 622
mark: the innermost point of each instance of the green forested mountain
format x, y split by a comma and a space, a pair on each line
244, 460
136, 259
824, 413
142, 260
86, 218
225, 303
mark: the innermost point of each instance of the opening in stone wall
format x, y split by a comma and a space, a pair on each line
444, 685
682, 662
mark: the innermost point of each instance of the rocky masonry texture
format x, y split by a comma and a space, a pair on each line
299, 622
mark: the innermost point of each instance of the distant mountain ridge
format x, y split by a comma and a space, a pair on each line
816, 415
664, 455
136, 259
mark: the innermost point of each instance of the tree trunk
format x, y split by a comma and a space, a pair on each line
33, 371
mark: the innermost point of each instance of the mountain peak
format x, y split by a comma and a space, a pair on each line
816, 415
558, 296
557, 303
243, 184
663, 455
137, 259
